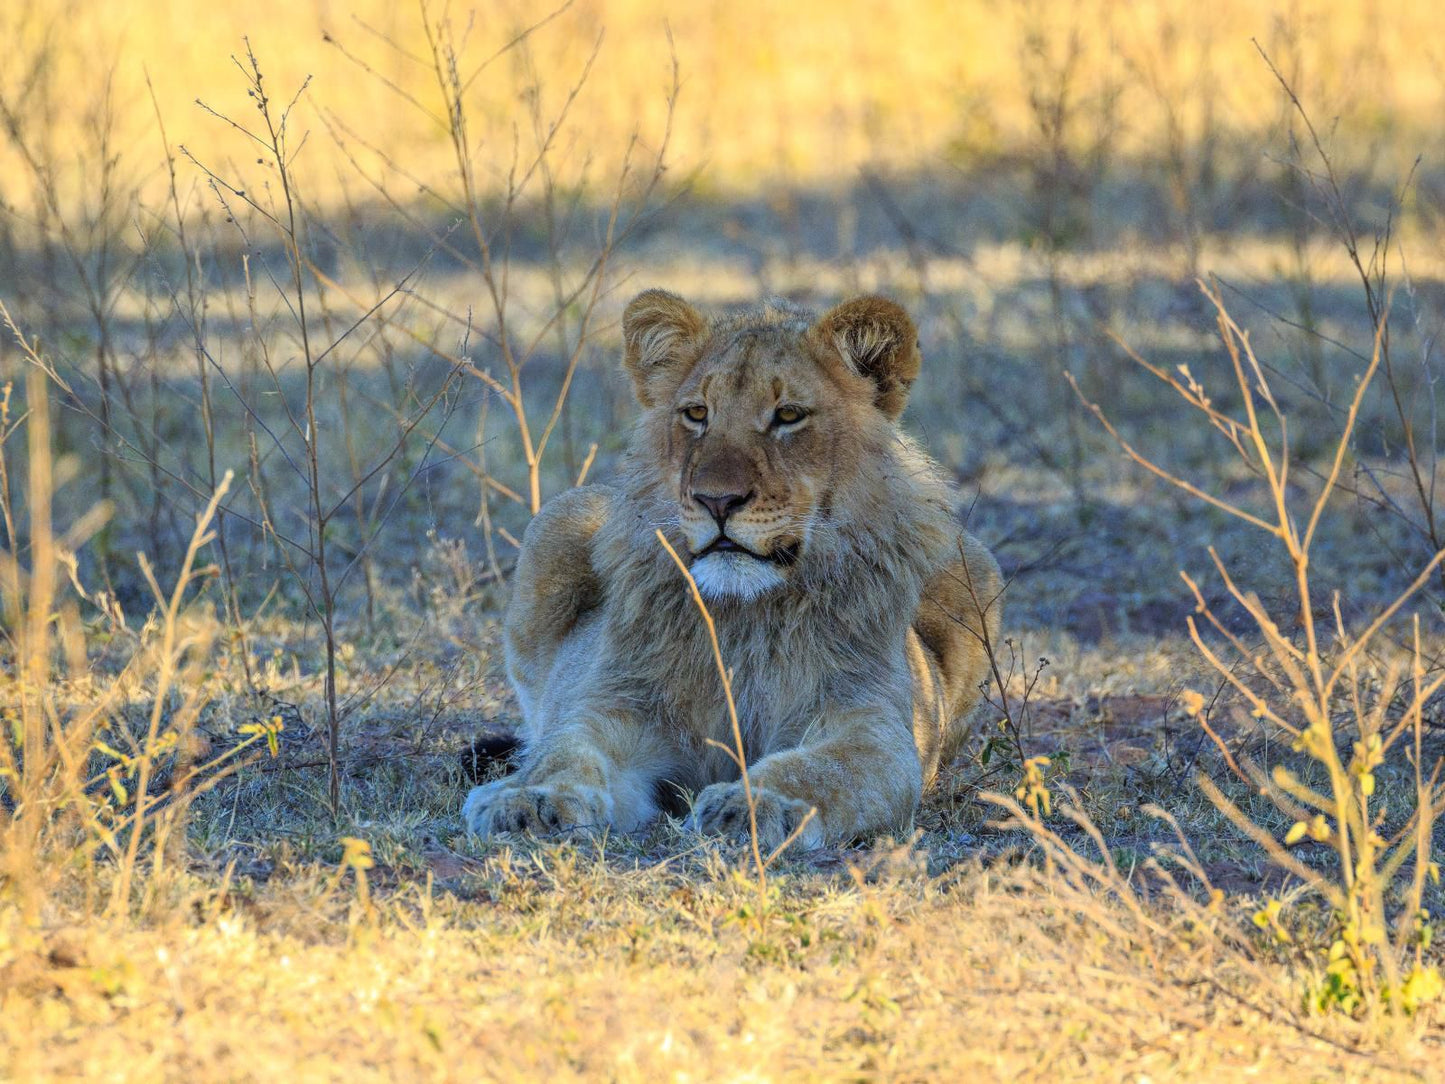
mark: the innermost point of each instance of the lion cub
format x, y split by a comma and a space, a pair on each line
849, 604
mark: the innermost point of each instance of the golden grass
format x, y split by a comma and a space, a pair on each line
276, 932
772, 94
563, 966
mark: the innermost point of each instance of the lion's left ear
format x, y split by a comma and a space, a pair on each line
876, 339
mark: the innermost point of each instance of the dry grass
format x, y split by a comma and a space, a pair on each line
555, 962
383, 351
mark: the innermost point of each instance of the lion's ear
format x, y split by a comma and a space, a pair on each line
661, 334
876, 339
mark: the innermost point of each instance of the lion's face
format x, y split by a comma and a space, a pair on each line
749, 445
758, 420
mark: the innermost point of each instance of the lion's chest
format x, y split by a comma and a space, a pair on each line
784, 680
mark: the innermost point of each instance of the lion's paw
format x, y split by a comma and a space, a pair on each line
722, 809
539, 810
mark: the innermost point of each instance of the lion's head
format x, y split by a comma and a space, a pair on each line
773, 431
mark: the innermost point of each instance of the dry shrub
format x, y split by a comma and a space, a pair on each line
94, 765
1348, 699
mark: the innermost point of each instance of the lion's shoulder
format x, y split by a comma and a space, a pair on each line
570, 518
556, 556
556, 582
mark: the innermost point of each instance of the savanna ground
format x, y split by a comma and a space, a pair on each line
388, 304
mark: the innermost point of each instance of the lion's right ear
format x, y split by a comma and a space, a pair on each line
661, 336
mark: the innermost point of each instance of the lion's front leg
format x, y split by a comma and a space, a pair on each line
590, 775
859, 775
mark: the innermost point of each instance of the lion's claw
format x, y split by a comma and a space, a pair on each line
722, 809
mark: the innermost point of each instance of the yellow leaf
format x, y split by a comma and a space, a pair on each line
356, 853
1296, 833
1422, 986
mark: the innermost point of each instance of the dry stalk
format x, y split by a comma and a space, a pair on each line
1370, 262
737, 753
309, 560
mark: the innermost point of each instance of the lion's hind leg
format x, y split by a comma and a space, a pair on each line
957, 617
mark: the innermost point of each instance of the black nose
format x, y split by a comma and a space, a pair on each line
723, 505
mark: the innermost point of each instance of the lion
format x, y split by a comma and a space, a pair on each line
850, 607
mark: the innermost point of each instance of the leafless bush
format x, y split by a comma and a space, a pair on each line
1318, 682
487, 222
299, 440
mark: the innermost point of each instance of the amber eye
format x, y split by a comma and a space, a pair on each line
789, 415
695, 413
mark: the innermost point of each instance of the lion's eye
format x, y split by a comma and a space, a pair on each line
789, 415
695, 413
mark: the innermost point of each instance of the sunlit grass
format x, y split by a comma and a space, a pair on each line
1038, 184
774, 95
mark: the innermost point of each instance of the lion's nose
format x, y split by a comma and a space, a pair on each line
722, 505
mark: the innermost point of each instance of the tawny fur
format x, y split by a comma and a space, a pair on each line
854, 668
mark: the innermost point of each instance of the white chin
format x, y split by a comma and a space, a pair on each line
735, 575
